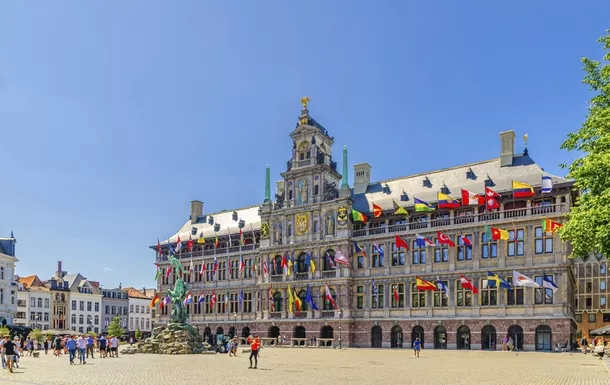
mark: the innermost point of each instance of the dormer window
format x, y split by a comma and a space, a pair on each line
489, 182
386, 188
427, 183
470, 174
404, 197
211, 220
445, 190
235, 216
217, 227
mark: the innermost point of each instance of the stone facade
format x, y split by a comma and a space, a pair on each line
8, 286
251, 259
114, 303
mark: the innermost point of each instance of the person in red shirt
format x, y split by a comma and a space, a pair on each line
255, 345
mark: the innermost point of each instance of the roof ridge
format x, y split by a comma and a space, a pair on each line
228, 211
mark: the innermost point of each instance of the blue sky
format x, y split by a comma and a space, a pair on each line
114, 115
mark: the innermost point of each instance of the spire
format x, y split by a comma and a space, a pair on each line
267, 185
344, 176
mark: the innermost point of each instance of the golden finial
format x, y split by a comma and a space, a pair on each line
525, 139
304, 101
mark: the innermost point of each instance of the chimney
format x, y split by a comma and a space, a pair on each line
507, 148
59, 267
196, 210
362, 177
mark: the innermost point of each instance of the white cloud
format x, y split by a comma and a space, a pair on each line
107, 269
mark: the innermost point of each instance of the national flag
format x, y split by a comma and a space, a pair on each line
309, 299
309, 262
215, 266
290, 300
158, 247
443, 239
493, 280
265, 267
547, 282
285, 265
359, 250
377, 211
203, 268
422, 284
329, 296
467, 284
446, 202
401, 243
491, 199
178, 244
297, 302
341, 258
522, 190
213, 300
550, 226
191, 268
217, 243
395, 293
166, 300
496, 234
242, 241
188, 299
168, 271
201, 299
422, 241
241, 298
441, 286
189, 244
421, 205
270, 294
547, 184
471, 199
398, 210
375, 291
154, 301
330, 261
295, 265
170, 249
466, 241
378, 250
158, 273
523, 280
242, 264
357, 216
201, 239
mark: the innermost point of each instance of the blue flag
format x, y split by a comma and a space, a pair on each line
295, 265
309, 299
241, 298
374, 290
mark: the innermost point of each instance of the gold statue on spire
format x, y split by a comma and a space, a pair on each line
525, 139
304, 101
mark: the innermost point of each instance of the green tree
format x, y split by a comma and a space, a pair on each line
138, 334
37, 335
588, 225
4, 331
115, 329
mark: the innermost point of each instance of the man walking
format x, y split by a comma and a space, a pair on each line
254, 347
102, 346
89, 346
8, 349
416, 347
71, 347
81, 343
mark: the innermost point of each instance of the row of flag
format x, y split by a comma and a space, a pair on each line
189, 299
295, 300
490, 199
177, 247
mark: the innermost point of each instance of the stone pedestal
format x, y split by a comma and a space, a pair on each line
175, 338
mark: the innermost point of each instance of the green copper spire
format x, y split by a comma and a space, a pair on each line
267, 185
344, 176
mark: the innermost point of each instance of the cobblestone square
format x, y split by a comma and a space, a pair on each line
319, 366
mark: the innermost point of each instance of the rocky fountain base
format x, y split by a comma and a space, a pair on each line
175, 338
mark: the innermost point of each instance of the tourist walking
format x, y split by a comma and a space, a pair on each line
71, 347
101, 344
17, 355
583, 345
9, 350
599, 349
89, 346
28, 346
46, 345
81, 343
255, 345
57, 347
416, 347
114, 347
2, 340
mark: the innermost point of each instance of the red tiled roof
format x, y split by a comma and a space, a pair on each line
30, 281
133, 293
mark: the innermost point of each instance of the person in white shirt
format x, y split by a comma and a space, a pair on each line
81, 344
114, 347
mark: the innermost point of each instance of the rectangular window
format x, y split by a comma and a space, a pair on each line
441, 252
543, 241
89, 305
592, 318
120, 310
602, 302
248, 271
418, 254
142, 309
602, 268
515, 246
464, 253
107, 309
97, 307
137, 309
208, 304
400, 290
418, 297
81, 305
234, 302
247, 302
378, 259
440, 299
113, 310
73, 305
131, 308
489, 295
360, 297
47, 303
222, 272
489, 247
39, 302
605, 317
514, 295
233, 269
379, 300
464, 296
542, 295
398, 256
221, 306
602, 285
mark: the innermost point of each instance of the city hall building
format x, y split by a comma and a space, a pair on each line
255, 261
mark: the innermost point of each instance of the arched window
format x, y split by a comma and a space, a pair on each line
301, 263
463, 337
327, 305
73, 319
97, 320
277, 301
544, 338
329, 260
63, 297
81, 319
488, 338
277, 265
304, 305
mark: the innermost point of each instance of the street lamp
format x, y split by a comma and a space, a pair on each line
88, 323
234, 322
340, 317
35, 320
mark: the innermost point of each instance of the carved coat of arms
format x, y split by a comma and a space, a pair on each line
302, 223
342, 216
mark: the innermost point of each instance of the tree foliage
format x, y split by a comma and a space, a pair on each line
5, 331
37, 335
115, 328
588, 225
138, 334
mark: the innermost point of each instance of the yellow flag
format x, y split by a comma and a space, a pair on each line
399, 210
313, 266
290, 300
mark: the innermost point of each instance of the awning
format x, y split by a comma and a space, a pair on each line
603, 331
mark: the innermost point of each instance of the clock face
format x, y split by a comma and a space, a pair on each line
264, 230
302, 223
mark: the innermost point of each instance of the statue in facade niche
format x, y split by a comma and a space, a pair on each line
330, 223
278, 232
303, 191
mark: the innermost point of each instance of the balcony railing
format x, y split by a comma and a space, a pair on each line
327, 314
464, 219
223, 250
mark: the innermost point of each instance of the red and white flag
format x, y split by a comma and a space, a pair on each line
341, 258
395, 292
467, 284
491, 199
242, 264
265, 267
213, 300
189, 244
329, 296
168, 272
191, 268
444, 239
471, 199
271, 299
203, 268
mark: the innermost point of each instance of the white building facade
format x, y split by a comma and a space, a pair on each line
139, 312
8, 286
33, 304
85, 305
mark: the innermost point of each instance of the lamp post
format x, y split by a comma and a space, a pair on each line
234, 322
340, 318
36, 320
88, 323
